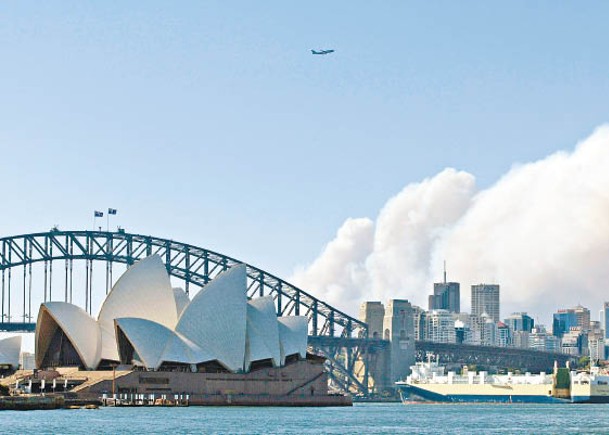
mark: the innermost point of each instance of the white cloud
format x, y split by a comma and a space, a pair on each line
338, 274
407, 229
542, 232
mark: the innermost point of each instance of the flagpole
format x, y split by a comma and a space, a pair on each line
97, 214
111, 211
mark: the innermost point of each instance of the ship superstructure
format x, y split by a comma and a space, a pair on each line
590, 386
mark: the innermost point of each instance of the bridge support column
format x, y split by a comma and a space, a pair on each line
398, 328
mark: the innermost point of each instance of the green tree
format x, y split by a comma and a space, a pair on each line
583, 362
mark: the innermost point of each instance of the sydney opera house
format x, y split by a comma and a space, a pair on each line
10, 349
217, 345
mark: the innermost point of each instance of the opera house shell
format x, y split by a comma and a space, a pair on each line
146, 323
10, 348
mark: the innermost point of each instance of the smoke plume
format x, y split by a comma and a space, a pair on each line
541, 232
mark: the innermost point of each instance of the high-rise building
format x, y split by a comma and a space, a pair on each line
539, 339
372, 313
504, 335
582, 316
596, 346
440, 326
605, 319
563, 321
419, 321
605, 327
485, 299
595, 327
568, 318
446, 296
520, 322
575, 342
520, 339
488, 331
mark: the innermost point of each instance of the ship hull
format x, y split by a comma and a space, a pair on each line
475, 394
590, 393
590, 399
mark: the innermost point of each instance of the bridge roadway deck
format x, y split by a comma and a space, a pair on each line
17, 327
488, 357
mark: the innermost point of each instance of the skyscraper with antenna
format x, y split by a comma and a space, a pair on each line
446, 295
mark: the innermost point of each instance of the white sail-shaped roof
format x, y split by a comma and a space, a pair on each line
262, 338
181, 299
163, 326
181, 350
215, 319
148, 339
80, 328
156, 344
10, 348
293, 334
143, 291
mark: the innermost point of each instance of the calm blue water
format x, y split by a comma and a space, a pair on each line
362, 418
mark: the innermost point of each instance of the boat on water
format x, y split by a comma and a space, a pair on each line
429, 381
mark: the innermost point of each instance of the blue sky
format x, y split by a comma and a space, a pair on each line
211, 122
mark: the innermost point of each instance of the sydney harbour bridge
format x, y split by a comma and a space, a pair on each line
78, 266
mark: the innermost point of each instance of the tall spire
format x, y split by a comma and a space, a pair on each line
444, 271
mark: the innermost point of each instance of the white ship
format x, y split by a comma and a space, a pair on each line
429, 382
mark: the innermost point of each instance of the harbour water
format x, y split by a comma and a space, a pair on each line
369, 418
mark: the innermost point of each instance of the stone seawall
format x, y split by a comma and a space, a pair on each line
260, 400
27, 403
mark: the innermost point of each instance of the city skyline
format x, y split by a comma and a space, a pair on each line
573, 332
483, 301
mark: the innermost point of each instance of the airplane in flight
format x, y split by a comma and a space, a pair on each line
322, 51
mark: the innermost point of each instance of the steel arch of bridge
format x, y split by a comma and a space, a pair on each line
194, 265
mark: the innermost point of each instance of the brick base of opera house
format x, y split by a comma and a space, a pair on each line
300, 383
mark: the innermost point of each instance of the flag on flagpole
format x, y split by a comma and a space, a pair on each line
111, 211
98, 213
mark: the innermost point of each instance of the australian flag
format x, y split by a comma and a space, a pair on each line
98, 213
111, 211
